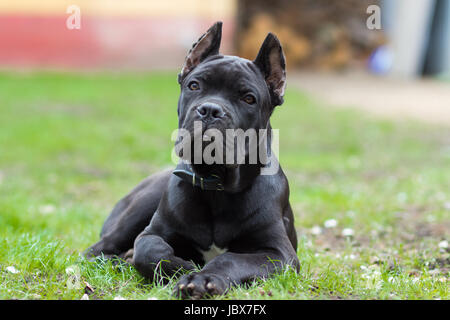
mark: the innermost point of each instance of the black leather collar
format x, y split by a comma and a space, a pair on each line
211, 182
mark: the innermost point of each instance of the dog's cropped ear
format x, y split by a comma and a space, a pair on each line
207, 45
270, 60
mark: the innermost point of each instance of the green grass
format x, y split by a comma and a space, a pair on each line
72, 145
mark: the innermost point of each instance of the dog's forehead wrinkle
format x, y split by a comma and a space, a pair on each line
229, 65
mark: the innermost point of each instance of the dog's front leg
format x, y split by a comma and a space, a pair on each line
153, 254
230, 269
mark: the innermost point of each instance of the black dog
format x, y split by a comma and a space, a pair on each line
228, 218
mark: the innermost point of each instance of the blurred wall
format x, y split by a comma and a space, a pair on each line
114, 34
418, 36
437, 60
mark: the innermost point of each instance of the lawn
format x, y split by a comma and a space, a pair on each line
371, 197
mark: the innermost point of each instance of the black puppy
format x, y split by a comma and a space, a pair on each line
228, 218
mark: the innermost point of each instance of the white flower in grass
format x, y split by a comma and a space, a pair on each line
73, 277
85, 297
330, 223
348, 232
415, 280
71, 270
12, 269
316, 230
443, 244
119, 298
372, 275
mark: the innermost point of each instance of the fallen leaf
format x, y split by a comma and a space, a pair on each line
88, 288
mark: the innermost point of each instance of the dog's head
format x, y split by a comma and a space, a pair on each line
228, 92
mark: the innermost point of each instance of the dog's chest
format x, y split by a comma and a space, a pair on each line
212, 252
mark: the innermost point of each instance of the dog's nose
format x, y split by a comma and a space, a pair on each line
211, 110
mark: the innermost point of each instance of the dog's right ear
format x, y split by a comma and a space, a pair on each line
207, 45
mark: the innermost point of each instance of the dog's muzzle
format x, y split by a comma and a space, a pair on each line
209, 112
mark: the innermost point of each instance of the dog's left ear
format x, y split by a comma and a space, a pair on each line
270, 60
207, 45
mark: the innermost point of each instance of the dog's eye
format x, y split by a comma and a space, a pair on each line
249, 99
194, 85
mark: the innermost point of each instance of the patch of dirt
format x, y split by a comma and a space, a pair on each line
423, 99
411, 233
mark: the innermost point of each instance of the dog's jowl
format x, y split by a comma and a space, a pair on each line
225, 216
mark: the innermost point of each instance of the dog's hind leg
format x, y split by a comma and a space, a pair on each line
129, 217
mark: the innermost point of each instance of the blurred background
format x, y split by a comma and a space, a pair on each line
408, 41
350, 41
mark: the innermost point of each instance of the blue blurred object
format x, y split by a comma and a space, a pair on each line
380, 61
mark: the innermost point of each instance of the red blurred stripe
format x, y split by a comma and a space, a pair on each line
35, 41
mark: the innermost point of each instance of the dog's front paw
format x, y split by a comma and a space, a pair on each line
200, 285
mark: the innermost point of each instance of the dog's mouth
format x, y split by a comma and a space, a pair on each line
212, 136
201, 146
229, 147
